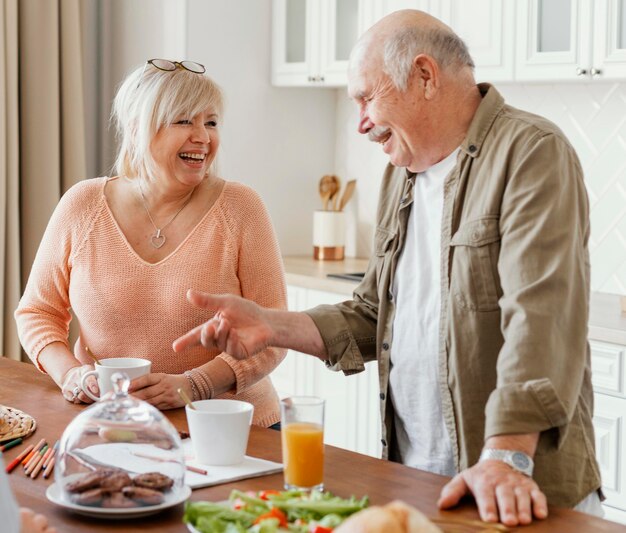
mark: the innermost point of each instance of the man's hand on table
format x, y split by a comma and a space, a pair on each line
500, 492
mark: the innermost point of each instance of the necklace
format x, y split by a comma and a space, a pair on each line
158, 239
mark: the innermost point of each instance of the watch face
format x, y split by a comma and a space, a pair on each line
520, 460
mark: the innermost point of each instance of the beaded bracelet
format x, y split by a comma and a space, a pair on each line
202, 382
195, 393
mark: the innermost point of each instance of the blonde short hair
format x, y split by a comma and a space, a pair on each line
149, 99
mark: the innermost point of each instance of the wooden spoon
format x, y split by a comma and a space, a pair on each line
326, 189
347, 194
335, 187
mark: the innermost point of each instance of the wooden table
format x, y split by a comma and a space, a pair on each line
23, 387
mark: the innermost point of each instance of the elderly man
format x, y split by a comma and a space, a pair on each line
475, 301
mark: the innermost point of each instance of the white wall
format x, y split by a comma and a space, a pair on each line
592, 115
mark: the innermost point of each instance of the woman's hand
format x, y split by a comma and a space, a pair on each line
71, 389
161, 390
32, 522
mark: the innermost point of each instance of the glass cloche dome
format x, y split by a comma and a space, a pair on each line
120, 453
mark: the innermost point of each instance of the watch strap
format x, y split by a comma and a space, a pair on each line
516, 459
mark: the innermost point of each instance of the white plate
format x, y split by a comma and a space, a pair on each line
55, 495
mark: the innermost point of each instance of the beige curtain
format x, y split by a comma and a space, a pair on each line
42, 133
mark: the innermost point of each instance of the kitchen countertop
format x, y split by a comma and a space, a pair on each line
606, 321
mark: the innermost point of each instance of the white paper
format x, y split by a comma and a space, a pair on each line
124, 455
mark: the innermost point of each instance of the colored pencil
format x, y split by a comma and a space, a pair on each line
196, 470
41, 462
54, 451
11, 444
35, 460
35, 449
49, 468
18, 459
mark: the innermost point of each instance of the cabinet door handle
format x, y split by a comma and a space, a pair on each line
596, 71
311, 78
321, 78
581, 71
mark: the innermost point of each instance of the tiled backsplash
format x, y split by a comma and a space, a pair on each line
592, 115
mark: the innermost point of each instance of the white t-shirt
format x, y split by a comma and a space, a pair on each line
9, 510
422, 438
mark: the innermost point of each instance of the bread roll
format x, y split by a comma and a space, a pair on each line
395, 517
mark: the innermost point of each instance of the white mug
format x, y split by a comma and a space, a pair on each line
131, 366
219, 431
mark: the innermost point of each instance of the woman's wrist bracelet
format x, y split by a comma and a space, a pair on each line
195, 393
202, 383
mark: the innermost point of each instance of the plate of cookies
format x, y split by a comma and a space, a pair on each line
110, 493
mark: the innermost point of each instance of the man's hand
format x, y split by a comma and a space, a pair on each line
500, 491
239, 327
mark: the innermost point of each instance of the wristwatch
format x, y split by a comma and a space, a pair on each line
515, 459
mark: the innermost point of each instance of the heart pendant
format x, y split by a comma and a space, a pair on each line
157, 240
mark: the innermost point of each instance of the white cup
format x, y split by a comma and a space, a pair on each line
219, 431
133, 367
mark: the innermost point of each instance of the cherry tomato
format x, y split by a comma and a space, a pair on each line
274, 513
265, 494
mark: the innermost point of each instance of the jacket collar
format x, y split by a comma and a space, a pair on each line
484, 118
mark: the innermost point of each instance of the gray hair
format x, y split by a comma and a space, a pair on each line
445, 46
149, 99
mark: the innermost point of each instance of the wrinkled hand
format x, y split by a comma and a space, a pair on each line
32, 522
499, 491
160, 390
71, 388
239, 327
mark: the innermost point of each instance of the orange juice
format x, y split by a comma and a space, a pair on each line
303, 454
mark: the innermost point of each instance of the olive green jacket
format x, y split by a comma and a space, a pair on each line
513, 351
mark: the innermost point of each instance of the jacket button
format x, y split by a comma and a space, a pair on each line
383, 442
382, 395
472, 148
385, 346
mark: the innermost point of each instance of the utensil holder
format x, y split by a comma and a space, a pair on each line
329, 235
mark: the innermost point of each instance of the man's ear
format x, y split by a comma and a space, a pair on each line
427, 72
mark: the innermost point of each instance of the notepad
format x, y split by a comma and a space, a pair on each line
133, 458
251, 467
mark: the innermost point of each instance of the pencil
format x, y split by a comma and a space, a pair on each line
49, 468
11, 444
34, 450
54, 451
196, 470
18, 459
40, 464
35, 460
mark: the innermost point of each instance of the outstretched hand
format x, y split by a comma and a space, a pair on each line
239, 327
500, 492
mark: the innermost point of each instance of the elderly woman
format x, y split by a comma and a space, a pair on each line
122, 251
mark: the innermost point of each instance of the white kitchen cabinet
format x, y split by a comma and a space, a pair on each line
374, 10
352, 402
609, 420
312, 40
488, 29
571, 40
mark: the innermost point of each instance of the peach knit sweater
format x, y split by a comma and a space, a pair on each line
128, 307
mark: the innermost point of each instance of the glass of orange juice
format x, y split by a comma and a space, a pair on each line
302, 433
